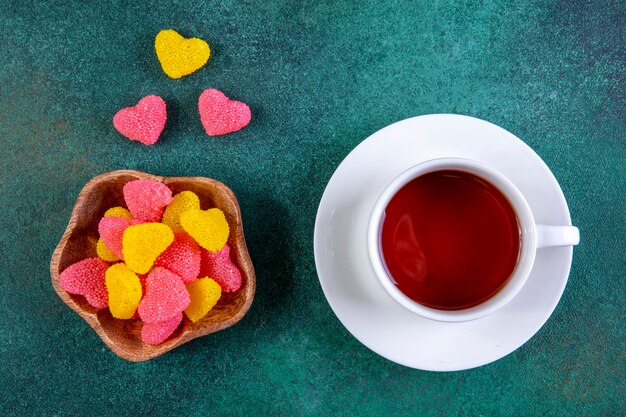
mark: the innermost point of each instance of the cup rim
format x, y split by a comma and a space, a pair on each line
526, 223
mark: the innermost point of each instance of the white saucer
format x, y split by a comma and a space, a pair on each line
349, 283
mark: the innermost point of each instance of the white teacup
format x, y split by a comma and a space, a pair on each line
532, 237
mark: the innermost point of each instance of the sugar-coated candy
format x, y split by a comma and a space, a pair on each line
124, 290
157, 332
179, 56
220, 115
220, 267
120, 212
143, 243
204, 294
86, 278
181, 202
208, 227
164, 298
111, 231
143, 122
104, 252
182, 257
146, 199
114, 231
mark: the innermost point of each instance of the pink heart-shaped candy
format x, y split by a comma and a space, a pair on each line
146, 199
111, 231
165, 296
143, 122
156, 333
217, 265
220, 115
87, 278
182, 257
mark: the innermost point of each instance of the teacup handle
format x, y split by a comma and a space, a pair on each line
548, 236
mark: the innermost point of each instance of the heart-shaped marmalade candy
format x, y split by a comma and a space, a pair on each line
143, 243
143, 122
124, 289
156, 333
86, 278
182, 257
220, 267
204, 294
208, 227
220, 115
165, 296
111, 231
180, 56
181, 202
146, 199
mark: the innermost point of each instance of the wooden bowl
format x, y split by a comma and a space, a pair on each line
78, 242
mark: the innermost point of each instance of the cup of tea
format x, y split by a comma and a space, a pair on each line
454, 240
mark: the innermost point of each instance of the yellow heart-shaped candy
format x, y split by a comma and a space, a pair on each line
180, 56
143, 243
120, 212
124, 291
204, 294
183, 201
104, 252
209, 228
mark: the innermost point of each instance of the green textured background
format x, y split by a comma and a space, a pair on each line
319, 78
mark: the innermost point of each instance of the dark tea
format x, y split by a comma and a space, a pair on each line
450, 239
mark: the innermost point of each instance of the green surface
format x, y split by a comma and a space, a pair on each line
319, 78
